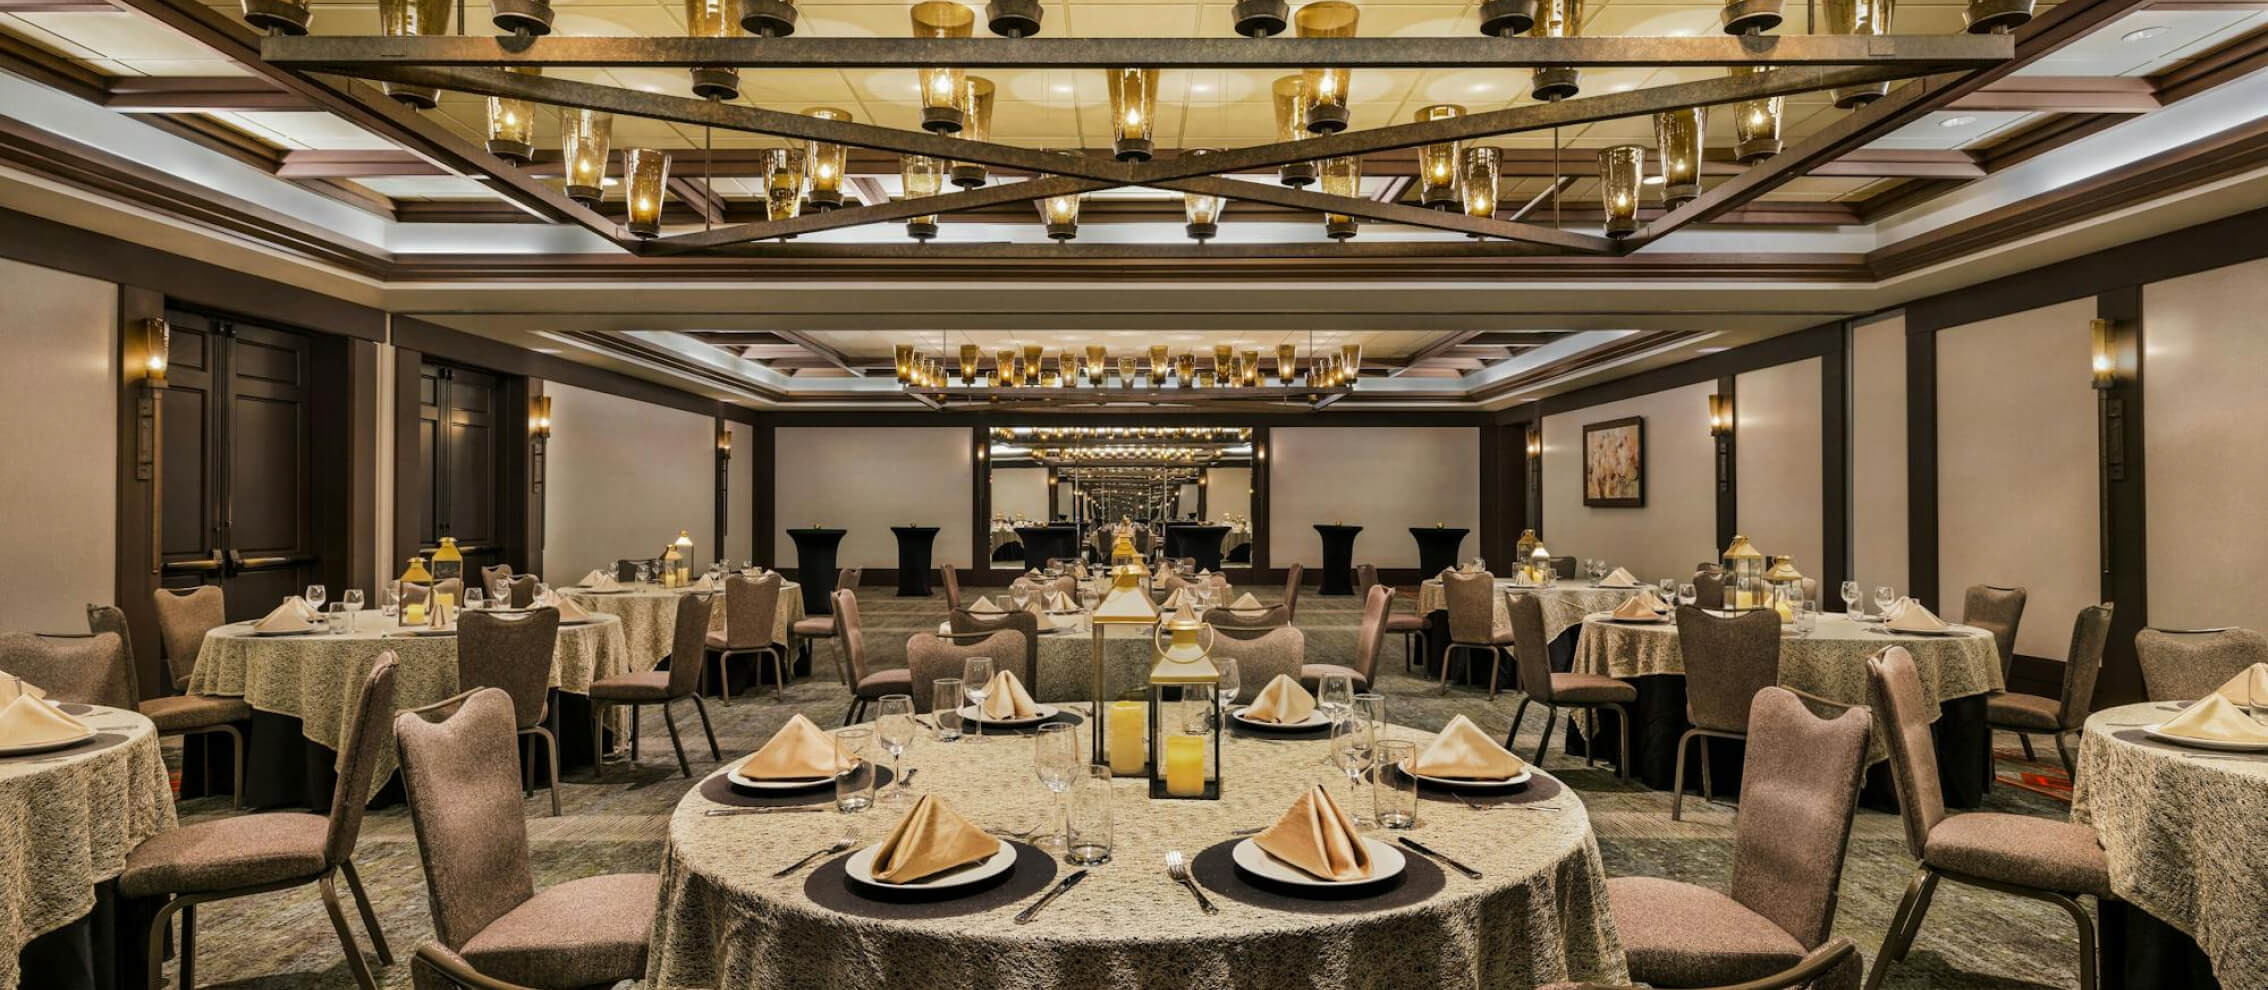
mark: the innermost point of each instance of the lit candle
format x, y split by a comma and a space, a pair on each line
413, 613
1185, 766
1129, 737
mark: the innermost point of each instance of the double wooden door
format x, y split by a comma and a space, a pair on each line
458, 430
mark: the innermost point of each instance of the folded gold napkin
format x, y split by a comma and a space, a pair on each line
1005, 697
568, 610
2217, 720
1634, 607
29, 721
704, 583
306, 612
287, 617
2248, 687
1283, 702
1915, 618
1653, 601
1059, 602
13, 687
799, 751
1897, 607
984, 606
1174, 601
1619, 578
931, 839
1246, 603
1318, 839
1463, 752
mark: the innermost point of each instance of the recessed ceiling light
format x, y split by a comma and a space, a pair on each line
1062, 89
1708, 350
2143, 34
1480, 87
1651, 180
1961, 121
1200, 87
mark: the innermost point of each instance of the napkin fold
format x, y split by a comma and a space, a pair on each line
30, 721
1246, 603
984, 606
600, 580
2215, 719
291, 616
1005, 697
1916, 618
704, 583
1175, 601
1635, 607
1283, 702
801, 750
1463, 752
931, 839
1059, 602
2248, 687
1619, 578
568, 610
13, 687
1318, 839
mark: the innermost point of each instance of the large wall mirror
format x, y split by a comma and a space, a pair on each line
1055, 489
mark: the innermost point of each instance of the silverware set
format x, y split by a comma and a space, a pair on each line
1177, 867
839, 845
1428, 851
724, 812
1025, 916
1502, 805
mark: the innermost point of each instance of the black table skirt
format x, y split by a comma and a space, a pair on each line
2140, 952
914, 544
1338, 558
1437, 547
102, 950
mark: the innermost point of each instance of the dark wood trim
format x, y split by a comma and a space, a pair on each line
409, 471
1040, 417
482, 352
1921, 462
135, 561
1836, 510
980, 503
2125, 500
1819, 341
763, 508
1728, 465
1262, 526
531, 491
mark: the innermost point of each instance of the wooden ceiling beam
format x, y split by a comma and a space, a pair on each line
194, 94
820, 350
355, 165
2064, 94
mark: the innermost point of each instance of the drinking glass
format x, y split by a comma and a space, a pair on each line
854, 785
1394, 793
645, 573
1022, 597
1087, 825
314, 596
1854, 601
976, 682
1884, 597
1351, 740
945, 707
1232, 680
500, 591
389, 600
334, 619
1055, 756
1687, 594
894, 728
1669, 589
1807, 616
1335, 695
473, 599
352, 599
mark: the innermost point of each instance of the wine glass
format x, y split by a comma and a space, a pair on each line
894, 728
314, 596
473, 599
1884, 597
1022, 594
1350, 751
500, 591
976, 682
389, 599
351, 600
1687, 594
1231, 681
1853, 600
1334, 695
1669, 589
1055, 756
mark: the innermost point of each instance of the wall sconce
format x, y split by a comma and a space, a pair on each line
2105, 353
1720, 415
1535, 443
539, 418
724, 442
154, 338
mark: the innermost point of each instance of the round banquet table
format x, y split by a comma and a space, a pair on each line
1565, 605
1538, 915
1957, 672
649, 615
2181, 828
301, 688
89, 805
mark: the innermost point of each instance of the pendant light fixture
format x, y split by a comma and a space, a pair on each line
1677, 142
1557, 19
1290, 96
922, 176
1756, 125
1203, 212
942, 89
1861, 18
970, 355
1133, 112
413, 19
785, 174
714, 19
1327, 88
1477, 181
1013, 18
1260, 18
826, 162
1341, 177
511, 124
646, 172
1621, 169
1437, 163
1997, 16
585, 138
1749, 16
1507, 18
768, 18
1350, 363
976, 125
1061, 213
1287, 363
287, 17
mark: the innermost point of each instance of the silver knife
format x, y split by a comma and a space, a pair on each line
717, 812
1025, 916
1453, 864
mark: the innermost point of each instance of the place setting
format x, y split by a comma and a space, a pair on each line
35, 729
800, 767
1641, 609
1283, 709
933, 863
1462, 764
2227, 721
1315, 859
1003, 706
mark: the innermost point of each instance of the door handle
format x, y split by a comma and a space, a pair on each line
212, 563
244, 563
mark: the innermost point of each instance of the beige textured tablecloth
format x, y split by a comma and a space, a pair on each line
1564, 605
67, 825
317, 679
1539, 915
649, 617
2182, 830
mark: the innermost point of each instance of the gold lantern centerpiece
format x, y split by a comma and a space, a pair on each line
1121, 727
1744, 577
1786, 584
448, 561
1290, 96
1439, 164
683, 549
1540, 572
1185, 716
414, 576
1524, 546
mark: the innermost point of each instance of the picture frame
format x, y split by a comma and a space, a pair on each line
1614, 463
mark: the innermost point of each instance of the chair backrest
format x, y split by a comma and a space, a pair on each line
461, 780
850, 633
1832, 954
1709, 588
1798, 789
1896, 690
524, 590
112, 619
1996, 610
1370, 636
2090, 632
752, 608
512, 651
453, 587
1223, 618
490, 575
1563, 566
1531, 644
2186, 664
1293, 575
952, 582
358, 761
183, 619
1366, 577
848, 577
1022, 621
689, 640
83, 668
930, 657
1472, 613
1726, 662
1282, 650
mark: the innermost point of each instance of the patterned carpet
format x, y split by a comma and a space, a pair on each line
1971, 939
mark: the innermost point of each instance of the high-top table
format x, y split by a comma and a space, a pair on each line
815, 566
1198, 541
1338, 558
1437, 547
1045, 543
914, 544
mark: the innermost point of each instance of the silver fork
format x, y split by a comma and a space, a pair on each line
1177, 867
839, 845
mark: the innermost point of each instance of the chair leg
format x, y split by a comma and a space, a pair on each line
1448, 660
2063, 749
551, 752
724, 680
236, 754
1903, 925
670, 721
2026, 739
353, 949
1517, 714
1550, 714
527, 764
2086, 937
779, 675
1495, 667
850, 714
598, 740
635, 712
189, 947
369, 917
1622, 756
703, 711
1708, 787
1677, 779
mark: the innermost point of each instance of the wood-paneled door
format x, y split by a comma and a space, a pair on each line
458, 429
237, 500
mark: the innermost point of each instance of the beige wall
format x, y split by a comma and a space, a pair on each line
58, 397
622, 477
868, 479
1878, 456
1384, 480
2203, 354
1229, 493
1677, 528
1779, 472
740, 500
2016, 485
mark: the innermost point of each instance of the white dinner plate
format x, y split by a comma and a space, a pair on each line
860, 868
2228, 747
973, 713
22, 749
1655, 620
1314, 720
1386, 863
1618, 587
600, 591
1947, 632
1527, 773
308, 631
798, 784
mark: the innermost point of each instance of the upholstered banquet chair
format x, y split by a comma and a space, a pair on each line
490, 575
87, 668
1410, 626
2024, 714
1726, 662
1231, 622
966, 626
179, 714
1531, 653
183, 618
1800, 785
1472, 623
2039, 858
2187, 664
1709, 587
1370, 635
492, 926
1282, 650
222, 858
524, 590
1833, 953
930, 657
950, 579
660, 687
867, 685
752, 608
513, 651
1293, 575
812, 627
1996, 610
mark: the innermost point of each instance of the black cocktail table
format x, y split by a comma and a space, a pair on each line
1437, 547
913, 559
1338, 558
1200, 543
1044, 543
815, 566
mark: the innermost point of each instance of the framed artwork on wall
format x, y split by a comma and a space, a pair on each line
1614, 463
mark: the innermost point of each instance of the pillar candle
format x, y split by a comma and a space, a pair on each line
1185, 766
1128, 737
